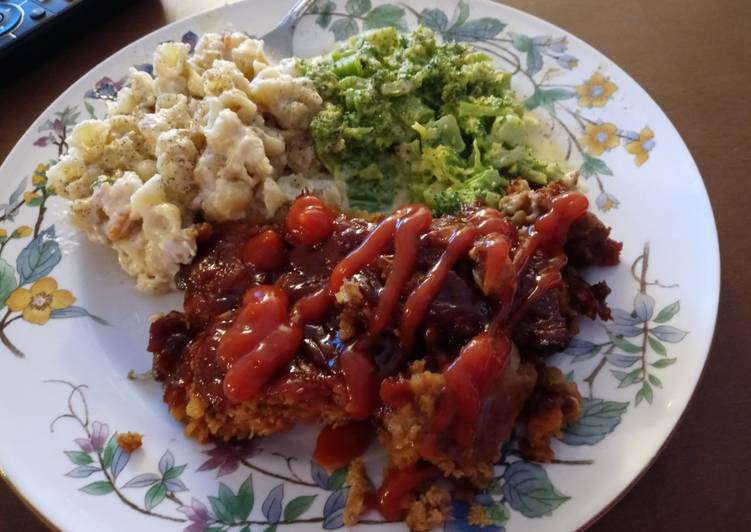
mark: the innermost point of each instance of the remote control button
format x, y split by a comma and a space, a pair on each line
11, 16
37, 13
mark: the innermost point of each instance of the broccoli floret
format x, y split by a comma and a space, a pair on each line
487, 186
446, 202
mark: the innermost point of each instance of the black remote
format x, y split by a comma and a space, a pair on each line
29, 27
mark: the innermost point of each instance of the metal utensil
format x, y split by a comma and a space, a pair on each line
279, 40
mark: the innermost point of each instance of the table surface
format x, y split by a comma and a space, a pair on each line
700, 481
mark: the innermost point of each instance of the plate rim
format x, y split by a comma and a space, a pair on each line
716, 265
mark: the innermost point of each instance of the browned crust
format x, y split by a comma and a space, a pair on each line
266, 415
360, 490
430, 510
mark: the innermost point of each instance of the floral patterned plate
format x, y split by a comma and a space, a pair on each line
73, 326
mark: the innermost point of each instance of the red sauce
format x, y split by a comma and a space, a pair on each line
309, 221
408, 230
264, 251
264, 308
338, 446
419, 300
481, 362
499, 279
395, 391
247, 377
371, 248
395, 493
549, 277
260, 343
550, 230
361, 380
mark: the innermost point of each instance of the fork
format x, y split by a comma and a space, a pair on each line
279, 40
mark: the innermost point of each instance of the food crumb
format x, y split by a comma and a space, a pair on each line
130, 441
478, 516
133, 376
430, 510
360, 489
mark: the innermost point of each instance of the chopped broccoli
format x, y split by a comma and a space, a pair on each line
486, 186
407, 113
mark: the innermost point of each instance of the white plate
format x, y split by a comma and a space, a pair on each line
65, 399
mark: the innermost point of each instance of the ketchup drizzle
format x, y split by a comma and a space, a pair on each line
258, 344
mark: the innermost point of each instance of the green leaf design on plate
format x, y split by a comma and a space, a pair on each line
496, 488
598, 419
623, 344
529, 491
657, 346
39, 257
245, 499
337, 478
76, 312
593, 165
89, 109
644, 393
667, 313
298, 506
629, 378
79, 457
174, 472
100, 487
384, 16
109, 451
155, 495
498, 513
534, 57
476, 30
233, 505
461, 14
547, 97
357, 7
664, 362
344, 28
435, 19
219, 507
323, 9
654, 381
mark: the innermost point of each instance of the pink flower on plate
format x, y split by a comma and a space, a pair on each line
226, 457
99, 433
198, 515
58, 127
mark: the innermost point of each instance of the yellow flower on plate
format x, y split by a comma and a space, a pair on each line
3, 233
40, 175
596, 91
40, 300
600, 137
641, 148
21, 231
30, 196
478, 516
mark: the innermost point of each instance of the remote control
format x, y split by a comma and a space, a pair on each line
28, 27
